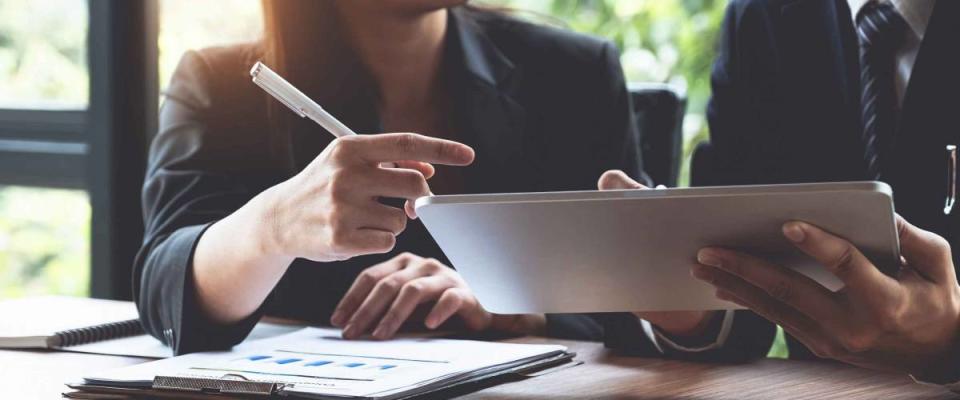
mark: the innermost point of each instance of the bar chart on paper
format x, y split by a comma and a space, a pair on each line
322, 366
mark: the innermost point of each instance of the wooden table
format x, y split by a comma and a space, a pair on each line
40, 375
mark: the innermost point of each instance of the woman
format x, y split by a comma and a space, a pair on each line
252, 211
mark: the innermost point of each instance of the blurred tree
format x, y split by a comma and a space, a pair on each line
44, 242
43, 54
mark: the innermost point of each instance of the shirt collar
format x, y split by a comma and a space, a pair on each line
916, 12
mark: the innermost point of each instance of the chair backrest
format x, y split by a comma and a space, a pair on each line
659, 112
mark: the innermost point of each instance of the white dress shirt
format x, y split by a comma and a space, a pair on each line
917, 14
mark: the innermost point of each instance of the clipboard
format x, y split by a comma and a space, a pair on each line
238, 387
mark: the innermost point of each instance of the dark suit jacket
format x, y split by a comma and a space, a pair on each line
545, 109
786, 108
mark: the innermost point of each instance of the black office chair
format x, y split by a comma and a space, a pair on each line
659, 112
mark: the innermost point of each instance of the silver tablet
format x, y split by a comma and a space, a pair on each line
631, 250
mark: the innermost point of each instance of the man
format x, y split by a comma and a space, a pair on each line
843, 90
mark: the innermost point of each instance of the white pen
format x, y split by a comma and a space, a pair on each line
292, 97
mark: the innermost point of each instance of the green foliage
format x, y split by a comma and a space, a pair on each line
43, 54
779, 348
44, 242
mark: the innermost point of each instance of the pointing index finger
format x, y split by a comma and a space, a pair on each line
413, 147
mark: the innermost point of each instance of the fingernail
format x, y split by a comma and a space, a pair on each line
337, 318
349, 331
794, 232
431, 323
708, 257
380, 332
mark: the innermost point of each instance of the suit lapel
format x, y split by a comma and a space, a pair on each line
486, 115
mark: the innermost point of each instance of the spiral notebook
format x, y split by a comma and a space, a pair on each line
94, 326
56, 322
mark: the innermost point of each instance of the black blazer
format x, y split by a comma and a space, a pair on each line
786, 108
548, 104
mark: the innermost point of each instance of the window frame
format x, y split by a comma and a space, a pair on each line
103, 148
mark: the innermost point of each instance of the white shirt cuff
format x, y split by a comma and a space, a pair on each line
660, 341
953, 387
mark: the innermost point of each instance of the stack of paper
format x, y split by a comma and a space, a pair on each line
316, 363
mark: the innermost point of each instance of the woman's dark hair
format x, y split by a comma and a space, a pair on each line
302, 41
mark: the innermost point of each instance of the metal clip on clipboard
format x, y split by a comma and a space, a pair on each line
227, 384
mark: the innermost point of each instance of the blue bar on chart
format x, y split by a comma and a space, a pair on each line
317, 363
353, 365
288, 360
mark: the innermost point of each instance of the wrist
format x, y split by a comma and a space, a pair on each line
261, 216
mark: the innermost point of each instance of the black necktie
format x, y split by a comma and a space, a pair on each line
881, 31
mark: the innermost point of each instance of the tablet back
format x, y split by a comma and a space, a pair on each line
632, 250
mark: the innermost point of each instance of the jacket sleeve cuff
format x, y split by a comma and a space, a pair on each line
194, 331
945, 373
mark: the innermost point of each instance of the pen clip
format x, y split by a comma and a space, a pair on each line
951, 179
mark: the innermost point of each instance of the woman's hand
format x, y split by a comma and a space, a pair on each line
331, 210
391, 291
677, 323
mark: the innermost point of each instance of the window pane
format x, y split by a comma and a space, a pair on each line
44, 242
191, 24
43, 53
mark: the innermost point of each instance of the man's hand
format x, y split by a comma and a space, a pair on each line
907, 323
678, 323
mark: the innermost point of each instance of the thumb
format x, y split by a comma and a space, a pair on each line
926, 252
424, 168
616, 179
409, 207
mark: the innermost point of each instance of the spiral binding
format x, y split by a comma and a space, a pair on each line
113, 330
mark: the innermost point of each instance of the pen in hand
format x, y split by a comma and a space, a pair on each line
304, 106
